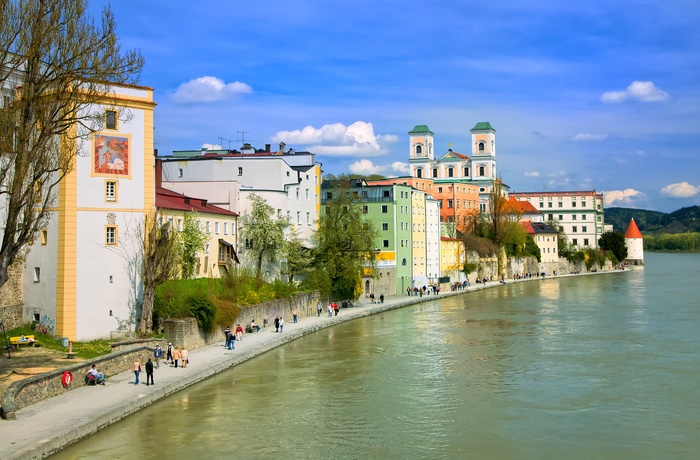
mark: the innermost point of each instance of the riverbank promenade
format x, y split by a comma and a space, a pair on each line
46, 427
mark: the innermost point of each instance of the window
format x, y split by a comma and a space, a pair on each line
450, 172
466, 172
482, 171
573, 217
584, 229
549, 205
574, 229
111, 190
385, 209
44, 237
308, 218
329, 195
449, 203
435, 172
583, 204
365, 209
225, 228
297, 193
111, 119
419, 149
573, 204
541, 204
561, 205
206, 251
240, 170
561, 216
179, 225
481, 147
585, 241
180, 172
207, 228
37, 274
111, 235
583, 217
248, 243
216, 228
403, 262
298, 217
575, 242
385, 243
439, 189
385, 194
385, 226
550, 217
307, 194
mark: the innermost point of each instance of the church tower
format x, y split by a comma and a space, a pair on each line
421, 148
484, 151
635, 244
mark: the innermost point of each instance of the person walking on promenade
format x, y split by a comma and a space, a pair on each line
294, 314
185, 357
169, 354
149, 372
137, 370
239, 331
277, 323
176, 356
330, 310
157, 355
281, 323
381, 298
336, 308
227, 333
318, 309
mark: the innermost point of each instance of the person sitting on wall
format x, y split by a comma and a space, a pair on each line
254, 326
98, 376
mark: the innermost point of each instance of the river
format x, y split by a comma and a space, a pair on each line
580, 367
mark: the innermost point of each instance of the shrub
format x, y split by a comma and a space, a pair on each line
203, 309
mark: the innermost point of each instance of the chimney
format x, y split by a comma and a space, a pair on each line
158, 171
267, 147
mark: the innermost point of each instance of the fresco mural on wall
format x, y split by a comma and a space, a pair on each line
111, 155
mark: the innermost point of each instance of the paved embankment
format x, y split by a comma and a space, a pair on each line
46, 427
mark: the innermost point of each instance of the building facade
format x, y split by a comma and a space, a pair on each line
579, 214
81, 278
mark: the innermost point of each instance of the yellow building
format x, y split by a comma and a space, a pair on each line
452, 257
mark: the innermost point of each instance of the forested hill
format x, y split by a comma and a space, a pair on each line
653, 222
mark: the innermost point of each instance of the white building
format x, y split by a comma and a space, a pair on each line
634, 241
288, 181
578, 213
432, 226
82, 277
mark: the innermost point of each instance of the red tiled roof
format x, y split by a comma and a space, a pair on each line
633, 230
520, 207
527, 225
167, 199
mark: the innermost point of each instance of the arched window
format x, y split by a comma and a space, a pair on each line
481, 147
435, 170
419, 173
419, 149
403, 262
481, 170
466, 172
450, 172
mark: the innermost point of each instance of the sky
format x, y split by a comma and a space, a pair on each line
583, 95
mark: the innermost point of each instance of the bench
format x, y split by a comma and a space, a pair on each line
22, 340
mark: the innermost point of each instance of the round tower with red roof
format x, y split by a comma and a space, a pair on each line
635, 244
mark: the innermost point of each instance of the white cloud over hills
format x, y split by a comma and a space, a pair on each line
338, 140
641, 91
681, 190
209, 89
625, 198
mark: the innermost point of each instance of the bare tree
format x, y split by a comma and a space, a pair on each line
162, 252
57, 69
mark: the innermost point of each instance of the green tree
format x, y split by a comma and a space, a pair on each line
345, 243
194, 240
264, 232
162, 252
56, 66
298, 257
615, 243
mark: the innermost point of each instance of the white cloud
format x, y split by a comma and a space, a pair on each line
532, 174
366, 167
681, 190
642, 91
590, 137
212, 146
209, 89
339, 140
625, 198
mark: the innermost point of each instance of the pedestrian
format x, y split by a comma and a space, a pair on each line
294, 314
185, 357
157, 354
371, 297
176, 356
336, 309
330, 310
239, 330
318, 309
381, 298
137, 370
169, 354
277, 323
281, 323
227, 333
149, 372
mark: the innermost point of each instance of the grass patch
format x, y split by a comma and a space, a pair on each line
84, 350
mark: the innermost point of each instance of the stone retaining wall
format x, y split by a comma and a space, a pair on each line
43, 386
11, 316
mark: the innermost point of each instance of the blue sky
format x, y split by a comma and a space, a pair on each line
583, 95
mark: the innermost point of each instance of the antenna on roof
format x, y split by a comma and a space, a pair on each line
242, 133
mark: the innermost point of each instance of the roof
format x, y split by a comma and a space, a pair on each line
633, 230
536, 227
483, 126
421, 129
556, 194
167, 199
520, 207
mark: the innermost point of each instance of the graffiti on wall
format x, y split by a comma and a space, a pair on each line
46, 325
